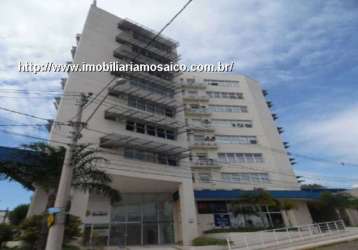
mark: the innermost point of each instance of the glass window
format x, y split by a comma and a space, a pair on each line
150, 130
140, 104
161, 132
162, 159
130, 125
140, 128
204, 177
170, 135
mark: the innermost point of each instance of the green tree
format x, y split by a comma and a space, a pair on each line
313, 186
41, 167
18, 214
31, 228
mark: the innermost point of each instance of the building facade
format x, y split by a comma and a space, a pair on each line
174, 142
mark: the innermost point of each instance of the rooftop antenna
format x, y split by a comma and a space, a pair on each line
94, 3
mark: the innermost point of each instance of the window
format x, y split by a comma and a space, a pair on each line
140, 128
204, 177
150, 129
136, 154
151, 107
161, 132
225, 83
241, 157
130, 126
225, 95
227, 108
250, 178
232, 123
170, 135
233, 139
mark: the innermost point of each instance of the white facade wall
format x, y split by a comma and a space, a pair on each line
96, 45
276, 162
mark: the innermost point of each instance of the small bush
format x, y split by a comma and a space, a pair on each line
6, 233
18, 214
207, 241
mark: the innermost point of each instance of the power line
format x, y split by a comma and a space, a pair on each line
135, 57
266, 147
339, 179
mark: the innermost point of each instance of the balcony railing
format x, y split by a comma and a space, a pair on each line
63, 82
205, 163
285, 238
116, 140
204, 144
122, 112
196, 97
197, 111
194, 85
73, 51
201, 127
133, 26
145, 76
124, 86
125, 36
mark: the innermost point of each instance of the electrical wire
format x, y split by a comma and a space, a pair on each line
135, 57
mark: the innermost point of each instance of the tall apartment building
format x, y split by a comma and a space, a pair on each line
180, 147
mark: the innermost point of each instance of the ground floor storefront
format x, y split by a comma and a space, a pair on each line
139, 219
143, 219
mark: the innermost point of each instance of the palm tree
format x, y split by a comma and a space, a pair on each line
40, 166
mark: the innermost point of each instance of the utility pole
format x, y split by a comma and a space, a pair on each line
56, 232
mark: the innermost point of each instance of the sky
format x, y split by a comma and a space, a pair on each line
304, 52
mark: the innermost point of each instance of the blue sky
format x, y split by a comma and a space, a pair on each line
303, 52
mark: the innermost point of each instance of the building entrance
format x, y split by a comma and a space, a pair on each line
142, 219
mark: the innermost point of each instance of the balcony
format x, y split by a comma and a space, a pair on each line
197, 111
198, 98
127, 24
122, 112
57, 102
145, 76
201, 127
125, 86
205, 163
73, 51
78, 37
126, 37
115, 140
204, 144
63, 82
126, 51
194, 85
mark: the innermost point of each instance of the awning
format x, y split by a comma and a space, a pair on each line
122, 111
126, 87
118, 140
206, 195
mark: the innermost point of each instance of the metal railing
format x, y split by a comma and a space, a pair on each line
286, 235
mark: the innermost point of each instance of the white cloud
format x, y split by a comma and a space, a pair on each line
334, 133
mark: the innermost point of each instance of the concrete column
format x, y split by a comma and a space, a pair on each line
188, 216
38, 202
79, 204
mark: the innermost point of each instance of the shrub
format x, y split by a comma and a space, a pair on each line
33, 228
207, 241
18, 214
6, 233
